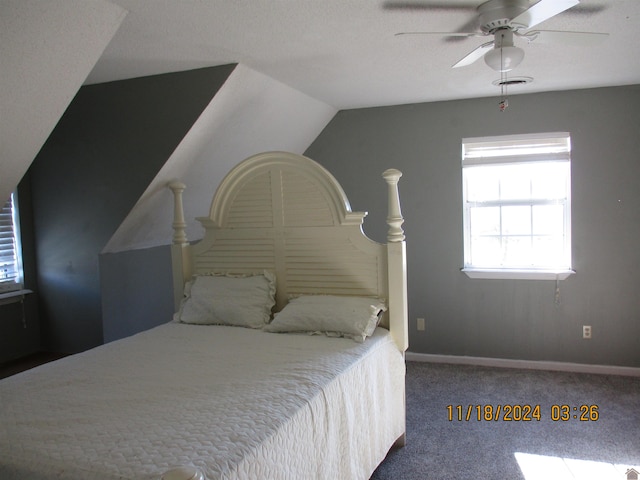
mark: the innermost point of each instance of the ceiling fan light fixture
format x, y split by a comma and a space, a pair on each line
504, 59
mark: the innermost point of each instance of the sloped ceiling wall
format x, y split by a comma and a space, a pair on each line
251, 113
47, 49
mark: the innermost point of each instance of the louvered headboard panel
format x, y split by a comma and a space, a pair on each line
286, 213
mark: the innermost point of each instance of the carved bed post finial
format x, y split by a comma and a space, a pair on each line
394, 217
179, 225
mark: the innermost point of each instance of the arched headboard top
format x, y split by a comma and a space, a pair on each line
280, 189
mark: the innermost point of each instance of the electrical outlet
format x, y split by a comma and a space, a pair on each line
586, 331
420, 324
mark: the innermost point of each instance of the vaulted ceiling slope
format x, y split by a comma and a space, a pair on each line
345, 52
251, 113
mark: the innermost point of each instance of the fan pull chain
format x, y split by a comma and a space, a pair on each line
504, 101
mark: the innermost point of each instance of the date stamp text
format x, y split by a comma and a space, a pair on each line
521, 413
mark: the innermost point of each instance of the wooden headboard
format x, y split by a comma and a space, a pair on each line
285, 213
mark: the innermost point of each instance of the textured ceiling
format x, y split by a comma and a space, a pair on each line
345, 53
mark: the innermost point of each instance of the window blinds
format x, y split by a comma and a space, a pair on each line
10, 276
516, 148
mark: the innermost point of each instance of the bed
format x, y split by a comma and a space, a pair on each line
307, 384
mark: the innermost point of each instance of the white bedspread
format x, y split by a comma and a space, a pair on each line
236, 402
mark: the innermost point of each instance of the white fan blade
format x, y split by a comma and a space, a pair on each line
445, 34
474, 55
429, 5
579, 39
542, 11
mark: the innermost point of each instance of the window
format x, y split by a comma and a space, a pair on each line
10, 258
517, 206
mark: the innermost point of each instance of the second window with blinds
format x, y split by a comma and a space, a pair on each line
10, 257
517, 206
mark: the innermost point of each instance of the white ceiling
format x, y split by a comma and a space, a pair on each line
344, 52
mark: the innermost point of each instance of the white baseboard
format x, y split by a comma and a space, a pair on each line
526, 364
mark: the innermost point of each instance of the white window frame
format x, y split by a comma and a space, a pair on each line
517, 150
11, 273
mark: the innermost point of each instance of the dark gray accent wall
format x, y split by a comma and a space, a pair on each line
19, 328
104, 152
141, 291
516, 319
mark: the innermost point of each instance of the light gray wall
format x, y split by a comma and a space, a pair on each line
496, 318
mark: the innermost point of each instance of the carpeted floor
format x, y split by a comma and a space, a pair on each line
438, 448
25, 363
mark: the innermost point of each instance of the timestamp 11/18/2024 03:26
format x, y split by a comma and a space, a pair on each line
521, 413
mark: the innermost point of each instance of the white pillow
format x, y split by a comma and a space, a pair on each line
244, 301
355, 317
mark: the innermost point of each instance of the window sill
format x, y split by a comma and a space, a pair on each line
509, 274
14, 296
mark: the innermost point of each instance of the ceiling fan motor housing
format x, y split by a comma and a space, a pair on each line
496, 14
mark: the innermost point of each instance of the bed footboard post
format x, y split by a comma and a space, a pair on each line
180, 248
397, 264
397, 276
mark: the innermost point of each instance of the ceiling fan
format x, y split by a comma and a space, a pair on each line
504, 20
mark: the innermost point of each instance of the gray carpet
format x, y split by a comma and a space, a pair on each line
521, 450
